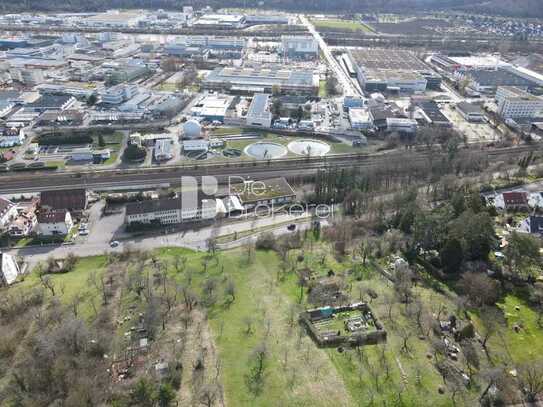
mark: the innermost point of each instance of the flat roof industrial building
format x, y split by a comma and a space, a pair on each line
212, 107
262, 80
389, 69
431, 113
259, 112
488, 80
470, 112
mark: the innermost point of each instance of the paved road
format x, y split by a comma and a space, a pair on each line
349, 89
98, 243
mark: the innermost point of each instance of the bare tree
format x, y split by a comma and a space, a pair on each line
470, 356
489, 318
248, 321
208, 394
530, 377
48, 283
405, 335
479, 289
179, 262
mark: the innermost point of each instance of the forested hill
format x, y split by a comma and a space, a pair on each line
521, 8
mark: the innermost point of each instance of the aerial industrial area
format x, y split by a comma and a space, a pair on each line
249, 207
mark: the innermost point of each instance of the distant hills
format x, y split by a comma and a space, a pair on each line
517, 8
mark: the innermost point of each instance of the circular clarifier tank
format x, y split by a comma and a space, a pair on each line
312, 148
265, 151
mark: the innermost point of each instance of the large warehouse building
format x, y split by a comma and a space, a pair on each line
263, 80
488, 80
381, 70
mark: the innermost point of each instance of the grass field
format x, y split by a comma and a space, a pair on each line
346, 25
322, 89
113, 142
264, 310
309, 375
167, 87
76, 282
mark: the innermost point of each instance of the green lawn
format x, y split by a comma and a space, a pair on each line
522, 346
267, 301
298, 373
167, 87
227, 131
322, 89
348, 25
113, 142
289, 380
68, 285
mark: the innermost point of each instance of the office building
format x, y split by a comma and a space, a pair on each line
170, 211
516, 103
118, 94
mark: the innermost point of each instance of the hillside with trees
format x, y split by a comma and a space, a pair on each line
517, 8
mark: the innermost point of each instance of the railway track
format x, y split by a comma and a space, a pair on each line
171, 175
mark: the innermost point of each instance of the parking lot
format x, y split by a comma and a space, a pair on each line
475, 132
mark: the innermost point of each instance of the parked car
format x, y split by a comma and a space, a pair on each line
291, 227
114, 243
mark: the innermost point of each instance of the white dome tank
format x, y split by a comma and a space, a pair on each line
191, 129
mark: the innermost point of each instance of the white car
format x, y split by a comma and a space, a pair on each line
114, 243
83, 232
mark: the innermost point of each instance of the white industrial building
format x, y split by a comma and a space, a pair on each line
29, 77
299, 46
82, 154
359, 118
163, 150
222, 20
195, 145
212, 107
259, 113
115, 19
12, 137
516, 103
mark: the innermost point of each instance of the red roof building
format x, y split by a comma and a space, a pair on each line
515, 200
